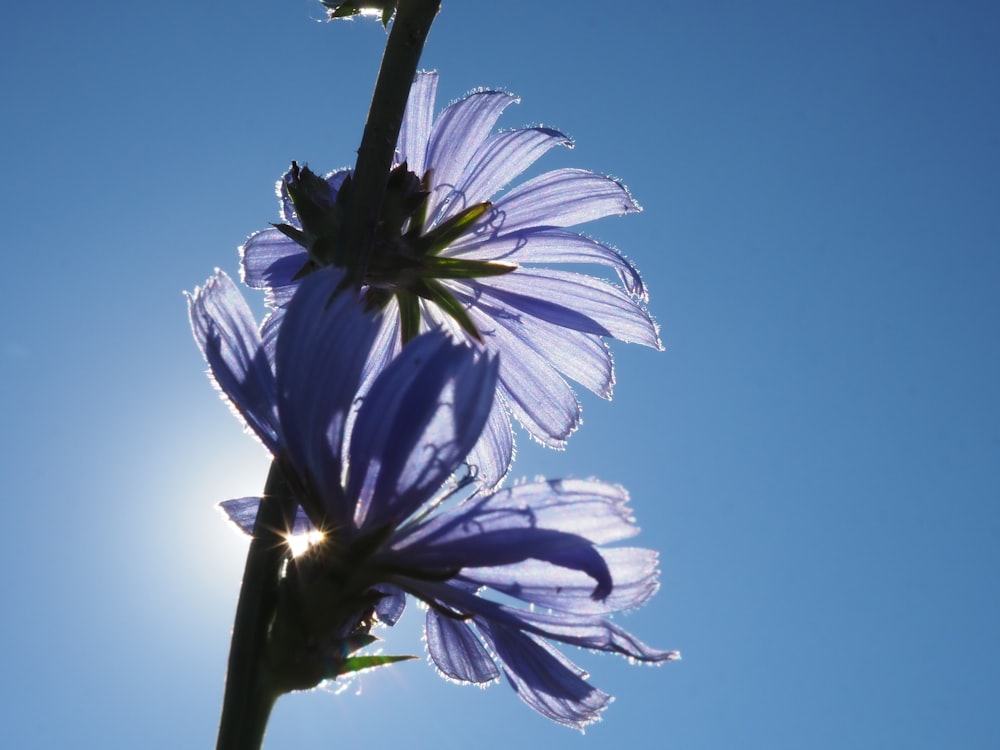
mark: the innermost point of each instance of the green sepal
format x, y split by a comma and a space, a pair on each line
294, 234
459, 268
311, 197
319, 212
359, 663
409, 315
441, 237
437, 293
357, 642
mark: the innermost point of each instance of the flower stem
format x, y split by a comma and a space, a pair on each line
250, 692
251, 688
371, 173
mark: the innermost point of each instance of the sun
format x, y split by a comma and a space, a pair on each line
299, 543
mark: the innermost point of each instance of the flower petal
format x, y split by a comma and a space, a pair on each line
322, 350
269, 330
243, 512
270, 261
466, 541
501, 158
390, 607
547, 245
560, 198
583, 357
226, 333
543, 678
384, 349
457, 651
417, 423
633, 574
491, 457
538, 396
583, 630
589, 508
417, 119
573, 300
590, 632
458, 133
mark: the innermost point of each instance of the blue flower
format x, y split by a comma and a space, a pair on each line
449, 254
504, 575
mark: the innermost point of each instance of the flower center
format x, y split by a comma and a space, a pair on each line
405, 261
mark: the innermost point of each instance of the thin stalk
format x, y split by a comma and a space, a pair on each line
371, 173
250, 694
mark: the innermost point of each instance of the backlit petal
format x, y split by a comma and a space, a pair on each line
417, 423
543, 678
575, 301
501, 158
457, 651
417, 120
547, 245
226, 333
321, 352
560, 198
269, 260
458, 133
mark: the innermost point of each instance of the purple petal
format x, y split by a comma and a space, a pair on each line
491, 457
457, 652
458, 133
226, 332
499, 160
577, 629
415, 131
583, 357
589, 632
547, 245
269, 330
543, 678
390, 607
269, 261
417, 423
538, 396
573, 300
465, 541
322, 349
385, 347
243, 512
586, 507
560, 198
633, 574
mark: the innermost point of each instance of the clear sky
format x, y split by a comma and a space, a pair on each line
816, 455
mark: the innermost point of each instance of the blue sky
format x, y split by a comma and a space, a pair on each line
816, 455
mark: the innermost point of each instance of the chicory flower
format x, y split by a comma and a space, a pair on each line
451, 253
394, 521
